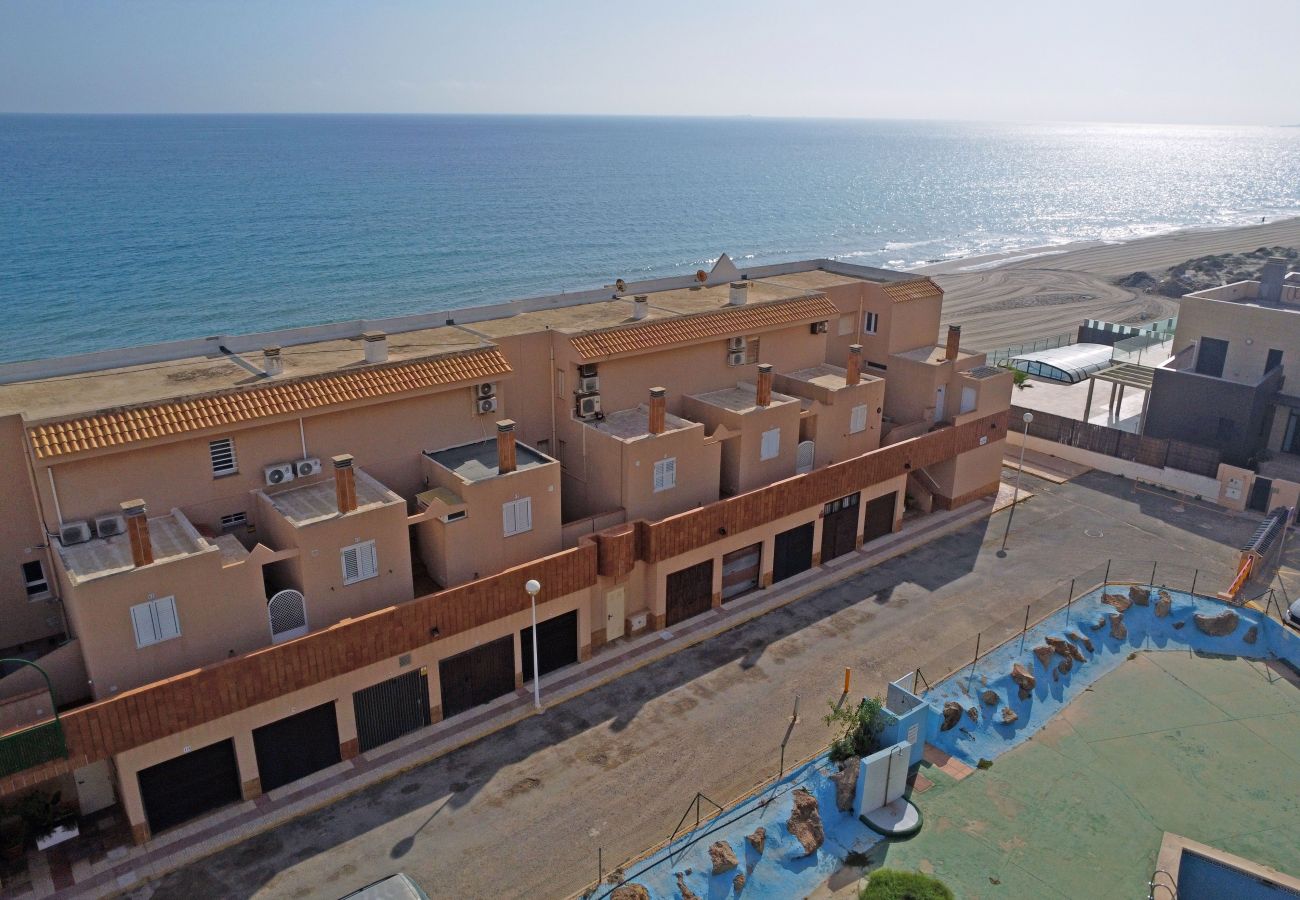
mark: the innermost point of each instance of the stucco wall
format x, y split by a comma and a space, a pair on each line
21, 540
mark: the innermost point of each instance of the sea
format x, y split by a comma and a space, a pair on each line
121, 230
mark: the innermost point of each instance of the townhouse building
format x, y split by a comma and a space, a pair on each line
245, 559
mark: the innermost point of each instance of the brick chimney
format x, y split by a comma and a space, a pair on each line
853, 371
954, 342
739, 295
272, 362
640, 306
505, 446
376, 346
763, 395
137, 529
345, 483
658, 402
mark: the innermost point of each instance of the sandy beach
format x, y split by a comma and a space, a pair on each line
1009, 298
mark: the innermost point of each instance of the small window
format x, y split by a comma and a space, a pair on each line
869, 322
222, 452
517, 516
751, 350
234, 521
359, 562
771, 445
665, 474
38, 586
858, 419
155, 622
875, 365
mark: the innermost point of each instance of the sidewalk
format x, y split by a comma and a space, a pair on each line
126, 866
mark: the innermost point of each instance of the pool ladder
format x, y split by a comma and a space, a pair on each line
1153, 885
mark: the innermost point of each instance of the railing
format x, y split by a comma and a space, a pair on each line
997, 357
30, 747
1154, 348
1147, 451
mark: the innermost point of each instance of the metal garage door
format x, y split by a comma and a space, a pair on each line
839, 527
793, 552
296, 746
690, 592
740, 570
477, 676
390, 709
188, 786
879, 517
557, 644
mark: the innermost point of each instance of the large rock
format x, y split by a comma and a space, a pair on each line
1117, 629
846, 783
1080, 639
1044, 655
1251, 635
990, 698
1119, 601
805, 821
951, 715
722, 857
1139, 595
758, 839
1024, 679
1066, 649
1008, 715
1065, 665
1163, 604
738, 883
1099, 624
686, 892
973, 713
1217, 626
630, 891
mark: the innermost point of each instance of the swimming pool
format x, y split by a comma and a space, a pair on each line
1202, 878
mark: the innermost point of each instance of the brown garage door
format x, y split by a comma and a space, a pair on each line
839, 526
793, 552
557, 644
690, 592
477, 676
188, 786
879, 518
740, 569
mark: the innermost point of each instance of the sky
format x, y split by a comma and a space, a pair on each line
1132, 61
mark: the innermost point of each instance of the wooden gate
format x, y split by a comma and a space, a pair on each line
840, 526
792, 553
390, 709
740, 571
879, 517
690, 592
477, 676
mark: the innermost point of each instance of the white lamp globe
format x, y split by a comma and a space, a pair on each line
533, 586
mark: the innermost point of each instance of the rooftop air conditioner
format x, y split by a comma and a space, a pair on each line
736, 358
485, 390
589, 384
278, 473
74, 533
109, 525
818, 327
736, 344
486, 405
587, 370
304, 468
589, 406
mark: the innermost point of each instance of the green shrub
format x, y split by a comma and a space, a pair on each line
892, 884
860, 728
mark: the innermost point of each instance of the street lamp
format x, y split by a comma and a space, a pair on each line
534, 587
1015, 497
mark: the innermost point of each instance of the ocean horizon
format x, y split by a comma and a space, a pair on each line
130, 229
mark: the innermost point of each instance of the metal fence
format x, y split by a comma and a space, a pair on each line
1154, 348
31, 747
998, 357
1148, 451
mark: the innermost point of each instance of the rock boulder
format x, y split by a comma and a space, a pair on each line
1044, 654
1163, 604
990, 698
1117, 629
1008, 715
1066, 649
1139, 595
738, 883
1217, 626
1080, 639
722, 857
1119, 601
973, 713
951, 715
686, 892
846, 783
1065, 665
630, 891
1024, 679
758, 839
1251, 635
805, 821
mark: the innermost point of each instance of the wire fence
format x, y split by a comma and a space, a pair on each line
997, 357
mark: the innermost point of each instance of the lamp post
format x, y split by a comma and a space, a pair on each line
1015, 497
534, 587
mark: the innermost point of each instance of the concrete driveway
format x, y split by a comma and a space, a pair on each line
522, 813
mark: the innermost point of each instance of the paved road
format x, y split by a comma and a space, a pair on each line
521, 813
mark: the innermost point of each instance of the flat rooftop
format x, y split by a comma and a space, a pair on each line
172, 535
828, 376
741, 398
318, 502
932, 356
478, 461
634, 424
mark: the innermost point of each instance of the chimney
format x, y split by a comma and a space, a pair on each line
640, 306
657, 404
954, 342
137, 529
853, 371
376, 346
763, 396
505, 446
739, 293
345, 483
272, 363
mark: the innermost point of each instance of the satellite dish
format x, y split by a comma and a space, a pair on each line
620, 285
701, 276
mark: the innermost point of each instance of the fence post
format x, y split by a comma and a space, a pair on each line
1106, 578
1022, 630
1195, 572
1069, 600
1153, 573
600, 867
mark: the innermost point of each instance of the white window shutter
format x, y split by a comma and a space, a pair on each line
858, 421
670, 472
142, 619
169, 625
508, 518
524, 515
369, 560
351, 565
771, 444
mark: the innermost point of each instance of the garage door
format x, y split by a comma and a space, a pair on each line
390, 709
879, 517
839, 527
793, 552
477, 676
188, 786
740, 570
690, 592
557, 644
296, 746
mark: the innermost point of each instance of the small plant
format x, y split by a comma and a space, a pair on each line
1019, 378
859, 726
894, 884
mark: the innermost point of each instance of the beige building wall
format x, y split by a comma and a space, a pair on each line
22, 541
743, 469
1251, 332
970, 474
698, 465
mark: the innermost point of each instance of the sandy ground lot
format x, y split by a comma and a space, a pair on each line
1032, 296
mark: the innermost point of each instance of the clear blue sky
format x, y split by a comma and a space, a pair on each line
1135, 60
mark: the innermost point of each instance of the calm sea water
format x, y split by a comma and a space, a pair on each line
122, 230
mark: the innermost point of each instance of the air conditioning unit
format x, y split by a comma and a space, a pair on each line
736, 358
589, 384
486, 405
587, 370
485, 390
818, 327
304, 468
736, 345
278, 473
589, 406
109, 525
74, 533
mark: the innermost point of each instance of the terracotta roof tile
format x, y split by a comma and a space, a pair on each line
141, 423
918, 288
684, 329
